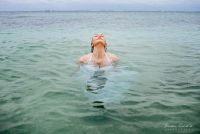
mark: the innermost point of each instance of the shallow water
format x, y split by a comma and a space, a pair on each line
154, 88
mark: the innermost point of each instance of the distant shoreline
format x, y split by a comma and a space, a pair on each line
93, 11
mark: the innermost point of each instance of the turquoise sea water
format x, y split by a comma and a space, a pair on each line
154, 88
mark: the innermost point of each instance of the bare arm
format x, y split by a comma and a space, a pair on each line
114, 57
83, 59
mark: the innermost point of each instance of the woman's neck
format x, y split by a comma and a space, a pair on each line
99, 52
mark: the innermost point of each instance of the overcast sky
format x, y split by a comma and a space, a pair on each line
95, 5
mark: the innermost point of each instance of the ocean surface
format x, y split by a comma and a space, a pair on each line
153, 89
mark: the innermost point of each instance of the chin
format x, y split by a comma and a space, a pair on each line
100, 42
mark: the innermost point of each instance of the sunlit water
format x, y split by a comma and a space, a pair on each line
154, 88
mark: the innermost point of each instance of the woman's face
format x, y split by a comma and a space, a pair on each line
98, 38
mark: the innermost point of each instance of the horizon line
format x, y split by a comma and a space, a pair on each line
100, 11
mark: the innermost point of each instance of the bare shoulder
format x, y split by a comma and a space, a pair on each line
113, 57
83, 59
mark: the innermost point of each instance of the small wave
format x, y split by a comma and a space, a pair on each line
21, 127
131, 102
11, 74
159, 105
38, 46
183, 92
7, 33
192, 87
23, 16
166, 108
56, 94
49, 73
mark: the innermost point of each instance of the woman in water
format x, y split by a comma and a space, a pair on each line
98, 56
